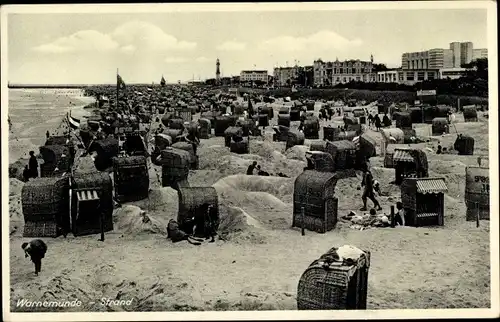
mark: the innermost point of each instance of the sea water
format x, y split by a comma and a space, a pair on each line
33, 112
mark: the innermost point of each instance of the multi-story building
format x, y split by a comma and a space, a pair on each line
466, 53
337, 72
456, 50
253, 75
430, 59
285, 76
479, 53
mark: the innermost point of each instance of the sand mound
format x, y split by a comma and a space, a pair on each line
163, 203
84, 164
297, 152
256, 196
266, 149
237, 226
132, 221
276, 186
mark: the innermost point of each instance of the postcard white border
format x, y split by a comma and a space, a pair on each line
490, 6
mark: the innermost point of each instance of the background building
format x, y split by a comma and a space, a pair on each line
457, 54
388, 76
337, 72
285, 76
479, 53
254, 76
430, 59
466, 53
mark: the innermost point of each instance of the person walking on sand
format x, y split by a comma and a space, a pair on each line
47, 134
33, 165
368, 192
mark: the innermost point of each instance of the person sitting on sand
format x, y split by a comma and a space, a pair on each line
399, 217
251, 168
261, 173
33, 165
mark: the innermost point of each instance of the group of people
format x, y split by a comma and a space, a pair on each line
375, 121
371, 186
254, 166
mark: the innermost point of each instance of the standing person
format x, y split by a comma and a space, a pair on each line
251, 168
439, 148
378, 123
33, 165
26, 174
400, 215
368, 192
47, 134
479, 159
36, 250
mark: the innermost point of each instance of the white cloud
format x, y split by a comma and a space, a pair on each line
232, 46
173, 60
202, 59
85, 40
322, 41
148, 37
127, 38
128, 49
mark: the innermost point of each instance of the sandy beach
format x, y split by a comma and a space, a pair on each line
259, 264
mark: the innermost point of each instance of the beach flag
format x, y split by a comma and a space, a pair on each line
163, 82
72, 122
119, 81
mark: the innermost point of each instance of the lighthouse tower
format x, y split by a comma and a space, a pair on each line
217, 72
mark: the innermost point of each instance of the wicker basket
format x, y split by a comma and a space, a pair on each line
284, 120
310, 105
329, 133
311, 128
87, 221
173, 133
193, 163
403, 121
221, 124
440, 126
163, 141
175, 166
263, 120
294, 138
285, 110
46, 200
247, 126
230, 132
106, 150
320, 161
470, 113
205, 128
345, 136
294, 115
281, 133
131, 178
336, 286
55, 156
464, 144
314, 191
241, 147
191, 199
477, 195
176, 124
40, 229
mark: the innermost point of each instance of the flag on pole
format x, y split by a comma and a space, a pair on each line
163, 82
119, 81
72, 122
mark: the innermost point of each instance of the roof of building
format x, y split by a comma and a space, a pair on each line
254, 71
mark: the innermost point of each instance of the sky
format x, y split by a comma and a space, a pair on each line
88, 48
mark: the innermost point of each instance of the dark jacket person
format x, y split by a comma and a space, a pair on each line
33, 165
